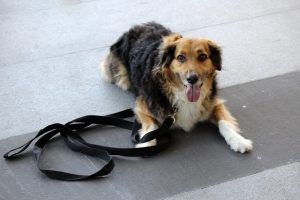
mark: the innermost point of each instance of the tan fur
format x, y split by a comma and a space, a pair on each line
121, 78
105, 71
143, 114
188, 113
191, 113
171, 39
191, 48
148, 122
221, 112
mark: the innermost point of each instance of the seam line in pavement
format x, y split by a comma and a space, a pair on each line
244, 19
234, 179
183, 31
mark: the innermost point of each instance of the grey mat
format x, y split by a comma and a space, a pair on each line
268, 112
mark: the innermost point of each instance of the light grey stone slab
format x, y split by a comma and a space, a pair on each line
55, 90
29, 6
27, 36
60, 88
252, 49
274, 184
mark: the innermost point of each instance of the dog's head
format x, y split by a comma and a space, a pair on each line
190, 63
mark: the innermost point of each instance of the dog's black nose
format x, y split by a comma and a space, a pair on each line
193, 78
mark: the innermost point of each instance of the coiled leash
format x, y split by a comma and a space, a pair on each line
70, 134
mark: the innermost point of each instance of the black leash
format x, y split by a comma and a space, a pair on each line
70, 134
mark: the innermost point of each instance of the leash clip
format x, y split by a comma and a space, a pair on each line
173, 115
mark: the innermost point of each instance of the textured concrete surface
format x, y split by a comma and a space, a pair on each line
50, 50
195, 160
276, 184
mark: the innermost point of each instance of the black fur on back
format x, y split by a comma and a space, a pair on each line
138, 50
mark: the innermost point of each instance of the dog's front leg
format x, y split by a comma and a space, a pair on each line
147, 121
228, 128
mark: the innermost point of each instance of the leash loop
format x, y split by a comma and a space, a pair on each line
70, 133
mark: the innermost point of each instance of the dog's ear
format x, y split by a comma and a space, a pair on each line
215, 55
168, 49
171, 38
167, 55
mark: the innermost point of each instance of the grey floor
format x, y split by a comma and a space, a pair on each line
50, 52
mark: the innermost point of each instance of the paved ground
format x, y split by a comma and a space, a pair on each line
277, 183
50, 51
199, 161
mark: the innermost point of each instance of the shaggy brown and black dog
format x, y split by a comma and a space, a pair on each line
167, 71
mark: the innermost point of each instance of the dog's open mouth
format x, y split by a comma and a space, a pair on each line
192, 92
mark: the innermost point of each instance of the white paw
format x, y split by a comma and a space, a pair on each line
236, 142
146, 144
144, 132
240, 144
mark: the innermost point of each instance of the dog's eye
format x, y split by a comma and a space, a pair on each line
181, 58
202, 57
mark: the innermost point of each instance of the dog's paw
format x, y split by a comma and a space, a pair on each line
144, 132
236, 142
240, 144
146, 144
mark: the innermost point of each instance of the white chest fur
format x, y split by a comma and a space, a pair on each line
190, 113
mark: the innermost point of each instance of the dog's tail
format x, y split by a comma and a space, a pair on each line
115, 72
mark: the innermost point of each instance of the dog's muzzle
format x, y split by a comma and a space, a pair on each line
192, 78
193, 87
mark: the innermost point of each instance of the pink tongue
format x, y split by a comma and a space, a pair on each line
192, 92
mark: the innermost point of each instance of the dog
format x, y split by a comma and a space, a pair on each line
168, 72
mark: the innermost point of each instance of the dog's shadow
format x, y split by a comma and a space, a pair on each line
203, 135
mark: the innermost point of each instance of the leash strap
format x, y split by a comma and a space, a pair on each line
70, 134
